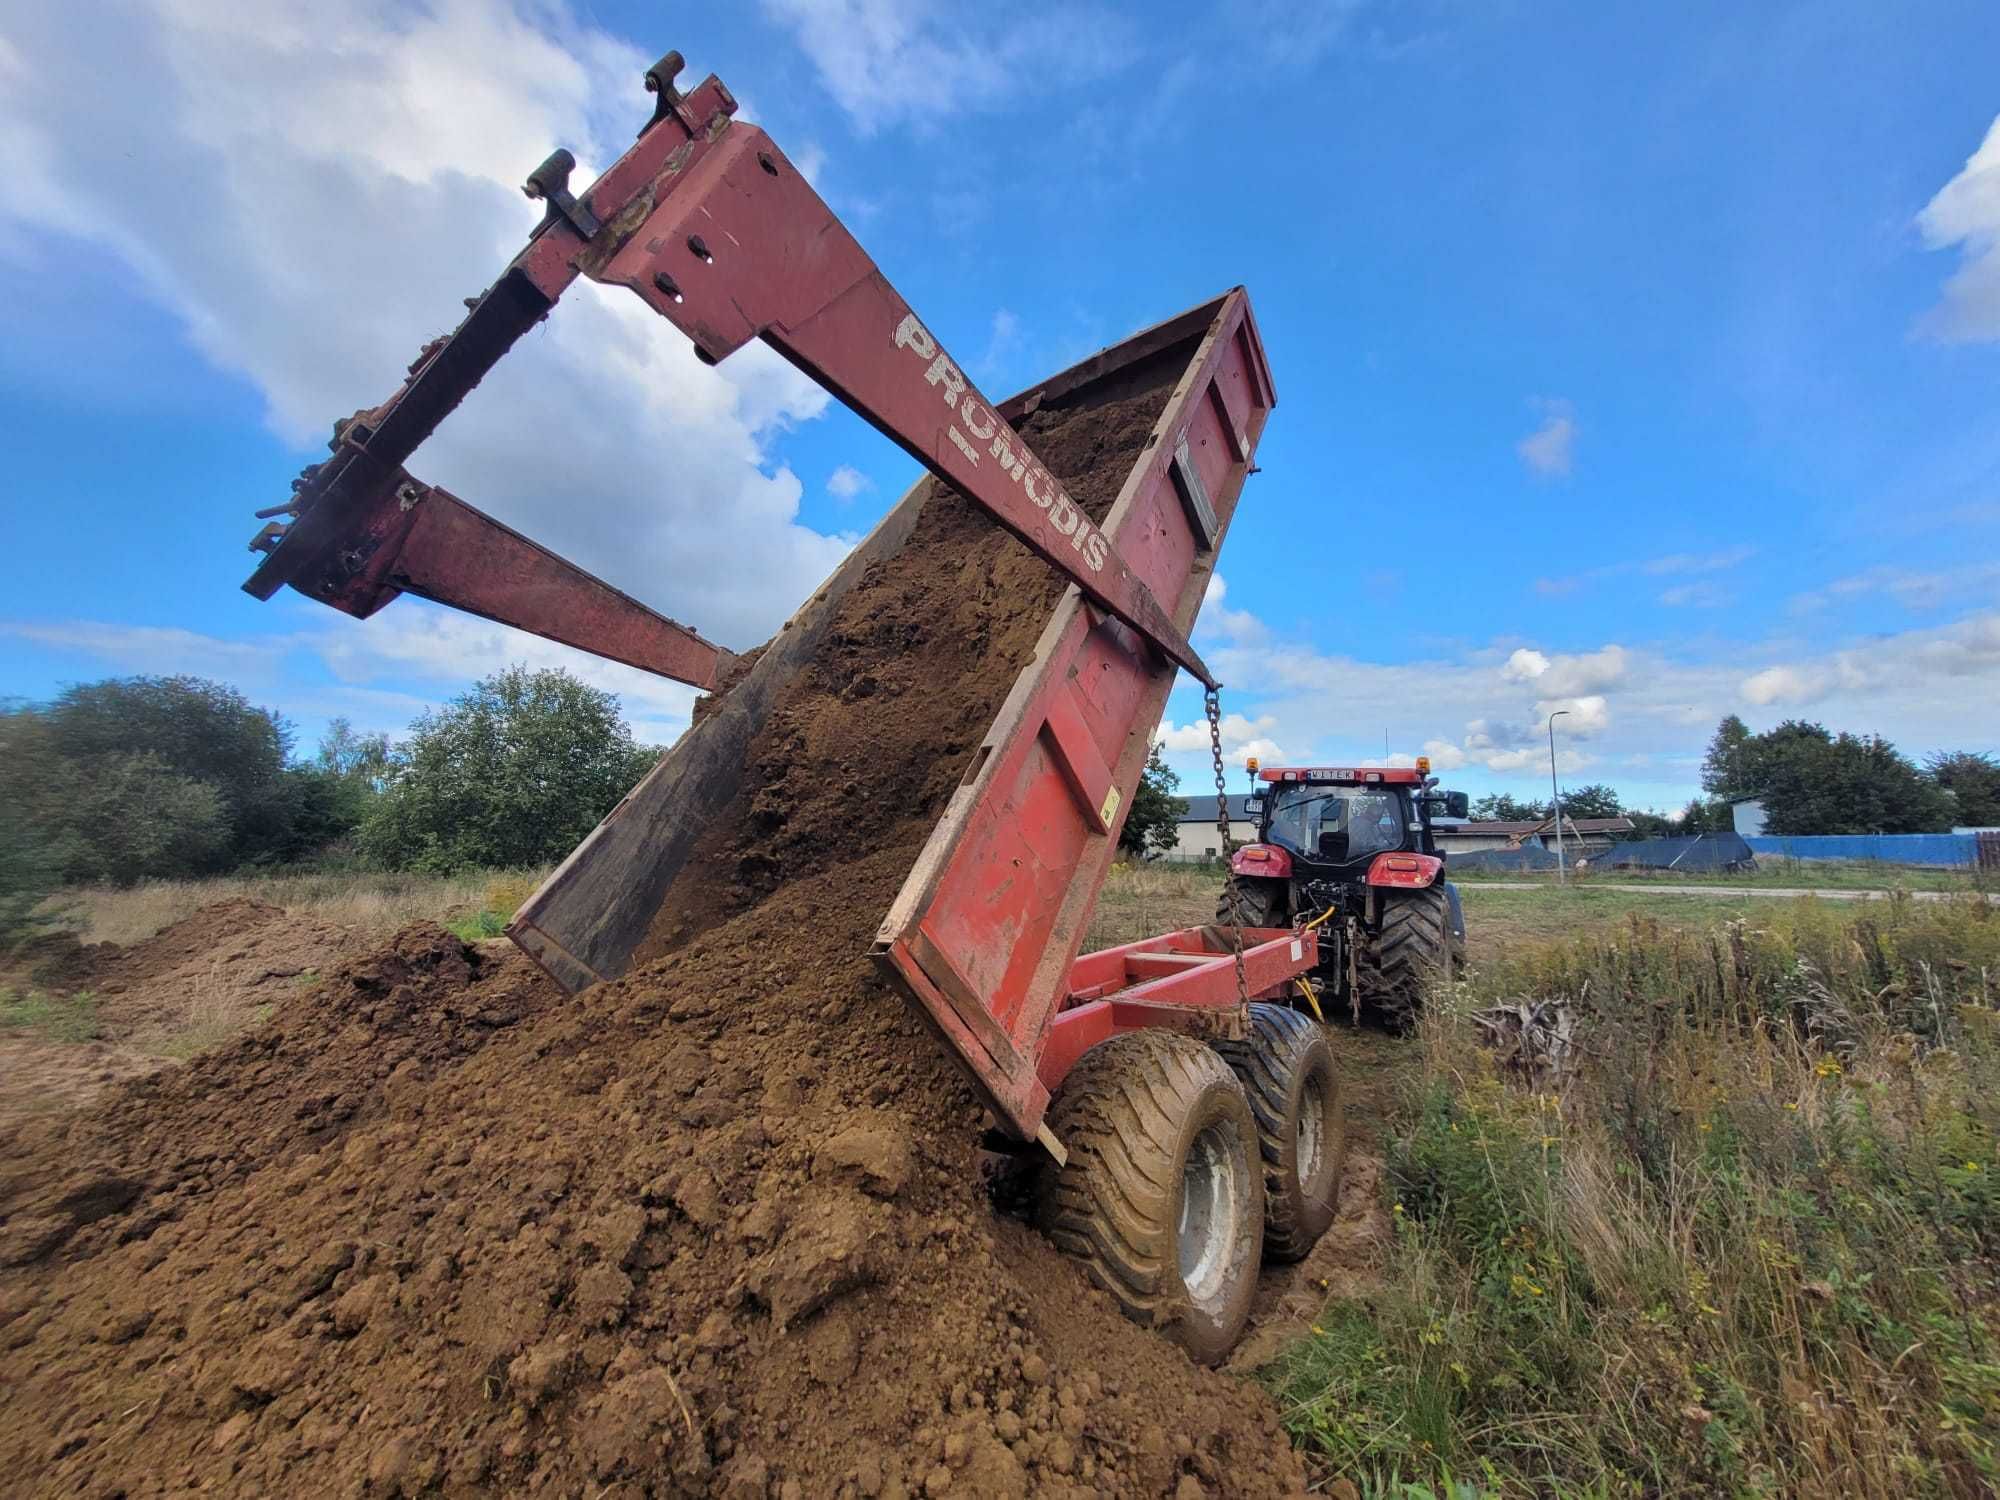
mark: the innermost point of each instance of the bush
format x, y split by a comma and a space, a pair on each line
513, 774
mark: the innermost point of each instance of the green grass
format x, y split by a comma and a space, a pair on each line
1747, 1248
57, 1018
1797, 874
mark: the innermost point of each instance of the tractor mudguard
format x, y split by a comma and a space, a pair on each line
1457, 909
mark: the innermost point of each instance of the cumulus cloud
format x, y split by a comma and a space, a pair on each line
1568, 675
888, 62
1550, 450
1939, 659
312, 199
1966, 214
1240, 735
845, 482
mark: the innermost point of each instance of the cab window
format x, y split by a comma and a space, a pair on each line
1337, 824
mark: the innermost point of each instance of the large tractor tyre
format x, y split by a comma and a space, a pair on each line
1411, 952
1248, 901
1161, 1199
1288, 1071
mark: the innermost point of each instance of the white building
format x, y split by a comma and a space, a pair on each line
1197, 836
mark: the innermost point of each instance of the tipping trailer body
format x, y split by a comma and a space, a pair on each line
984, 935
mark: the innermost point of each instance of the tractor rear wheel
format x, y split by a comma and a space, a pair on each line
1248, 901
1162, 1199
1287, 1070
1412, 951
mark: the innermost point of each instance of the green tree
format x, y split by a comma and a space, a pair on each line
1724, 770
1500, 807
1153, 823
1706, 815
338, 786
1592, 800
123, 816
191, 728
1973, 779
513, 773
1817, 783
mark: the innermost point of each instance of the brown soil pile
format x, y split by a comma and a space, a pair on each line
716, 1229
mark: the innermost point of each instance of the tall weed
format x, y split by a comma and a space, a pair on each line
1750, 1248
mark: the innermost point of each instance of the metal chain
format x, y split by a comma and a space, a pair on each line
1212, 706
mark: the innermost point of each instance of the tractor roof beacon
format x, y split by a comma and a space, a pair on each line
1352, 852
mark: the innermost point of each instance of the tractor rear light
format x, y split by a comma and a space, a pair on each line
1374, 776
1266, 861
1410, 871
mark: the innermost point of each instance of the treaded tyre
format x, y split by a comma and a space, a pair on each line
1288, 1073
1412, 950
1162, 1199
1247, 901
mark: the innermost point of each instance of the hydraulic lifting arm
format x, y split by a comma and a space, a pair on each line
715, 230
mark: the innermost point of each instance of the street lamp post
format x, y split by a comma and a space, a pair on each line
1556, 796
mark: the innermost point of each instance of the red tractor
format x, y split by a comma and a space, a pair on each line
1352, 852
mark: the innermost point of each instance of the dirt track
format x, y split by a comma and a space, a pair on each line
714, 1229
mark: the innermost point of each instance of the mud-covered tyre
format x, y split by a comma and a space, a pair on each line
1162, 1198
1289, 1075
1395, 966
1247, 901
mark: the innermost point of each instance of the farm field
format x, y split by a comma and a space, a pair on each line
1759, 1194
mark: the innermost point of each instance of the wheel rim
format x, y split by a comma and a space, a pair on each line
1214, 1191
1309, 1144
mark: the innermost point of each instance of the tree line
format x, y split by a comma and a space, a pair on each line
160, 777
1810, 780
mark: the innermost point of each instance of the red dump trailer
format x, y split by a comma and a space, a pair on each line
1189, 1113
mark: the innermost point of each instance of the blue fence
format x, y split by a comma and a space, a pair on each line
1889, 848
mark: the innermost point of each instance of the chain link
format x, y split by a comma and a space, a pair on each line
1212, 706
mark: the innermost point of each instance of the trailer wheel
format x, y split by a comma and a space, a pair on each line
1412, 950
1294, 1090
1249, 901
1161, 1200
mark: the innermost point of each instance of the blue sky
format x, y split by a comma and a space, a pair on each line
1638, 364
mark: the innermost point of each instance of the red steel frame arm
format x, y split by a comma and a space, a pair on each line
716, 231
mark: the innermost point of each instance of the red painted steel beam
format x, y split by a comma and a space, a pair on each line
716, 230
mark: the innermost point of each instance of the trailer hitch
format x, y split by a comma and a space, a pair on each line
710, 225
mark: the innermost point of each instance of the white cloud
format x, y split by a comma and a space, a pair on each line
1568, 675
1966, 214
1587, 715
1910, 587
1672, 563
887, 62
1240, 735
313, 194
1218, 622
1550, 450
1702, 595
1940, 661
845, 482
1699, 562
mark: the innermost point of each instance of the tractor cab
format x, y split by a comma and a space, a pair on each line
1339, 823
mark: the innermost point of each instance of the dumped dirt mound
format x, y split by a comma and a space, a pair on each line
715, 1229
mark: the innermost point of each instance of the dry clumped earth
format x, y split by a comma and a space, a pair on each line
715, 1229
